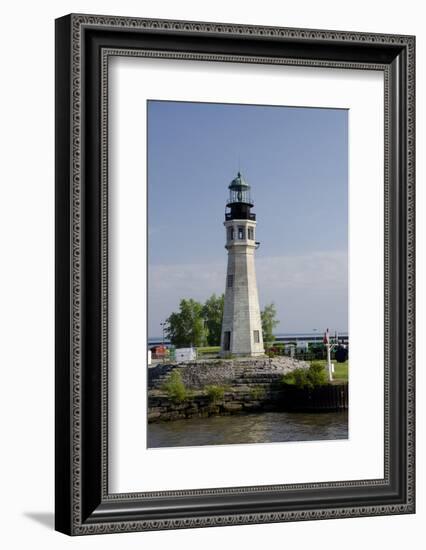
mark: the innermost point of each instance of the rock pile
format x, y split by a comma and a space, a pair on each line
232, 372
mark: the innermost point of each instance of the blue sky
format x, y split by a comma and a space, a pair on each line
296, 161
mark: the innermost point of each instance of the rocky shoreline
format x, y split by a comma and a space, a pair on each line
236, 386
240, 371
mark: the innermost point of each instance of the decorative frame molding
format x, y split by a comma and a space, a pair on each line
84, 43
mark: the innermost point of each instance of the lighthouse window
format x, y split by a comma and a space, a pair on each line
230, 281
241, 232
230, 233
256, 336
250, 234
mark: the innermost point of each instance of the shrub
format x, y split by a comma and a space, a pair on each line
310, 378
215, 393
175, 388
317, 374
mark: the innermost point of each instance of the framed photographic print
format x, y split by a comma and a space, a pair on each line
234, 274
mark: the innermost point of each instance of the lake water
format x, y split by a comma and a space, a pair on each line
251, 428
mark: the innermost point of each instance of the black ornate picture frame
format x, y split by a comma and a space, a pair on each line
84, 43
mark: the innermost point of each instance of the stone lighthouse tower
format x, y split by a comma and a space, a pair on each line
241, 325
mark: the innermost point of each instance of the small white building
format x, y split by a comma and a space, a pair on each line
302, 346
185, 354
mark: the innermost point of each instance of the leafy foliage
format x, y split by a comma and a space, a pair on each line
196, 324
212, 313
310, 378
215, 393
186, 327
175, 387
269, 322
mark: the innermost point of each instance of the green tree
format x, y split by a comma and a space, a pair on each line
212, 314
269, 322
186, 327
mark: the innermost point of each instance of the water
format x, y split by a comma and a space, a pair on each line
251, 428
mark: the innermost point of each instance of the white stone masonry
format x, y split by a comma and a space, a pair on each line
241, 326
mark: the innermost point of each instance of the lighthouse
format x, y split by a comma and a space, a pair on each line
241, 325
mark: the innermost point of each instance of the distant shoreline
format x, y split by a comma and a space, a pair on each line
283, 337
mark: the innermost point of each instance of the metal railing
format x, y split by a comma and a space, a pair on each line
250, 216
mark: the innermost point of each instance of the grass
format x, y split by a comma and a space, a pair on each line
207, 350
341, 370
